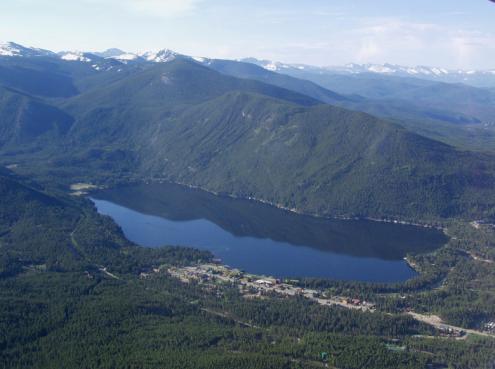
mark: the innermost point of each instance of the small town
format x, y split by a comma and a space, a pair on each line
254, 286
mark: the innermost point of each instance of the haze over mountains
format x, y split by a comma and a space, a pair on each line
240, 129
479, 78
387, 95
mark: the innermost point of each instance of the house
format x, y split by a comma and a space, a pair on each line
264, 282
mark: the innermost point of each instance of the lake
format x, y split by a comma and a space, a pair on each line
262, 239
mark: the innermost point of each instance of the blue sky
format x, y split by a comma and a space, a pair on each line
453, 34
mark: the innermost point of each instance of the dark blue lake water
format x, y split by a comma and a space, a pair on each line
262, 239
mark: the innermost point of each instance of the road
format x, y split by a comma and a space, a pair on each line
437, 322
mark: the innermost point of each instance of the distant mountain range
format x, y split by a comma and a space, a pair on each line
424, 105
479, 78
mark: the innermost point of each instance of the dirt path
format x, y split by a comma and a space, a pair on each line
75, 248
227, 316
437, 322
104, 270
477, 258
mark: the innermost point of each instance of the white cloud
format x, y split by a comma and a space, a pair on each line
389, 37
154, 8
468, 46
379, 40
162, 8
390, 40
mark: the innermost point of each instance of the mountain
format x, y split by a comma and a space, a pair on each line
11, 49
397, 98
36, 78
477, 78
55, 77
161, 56
252, 71
397, 86
385, 96
162, 87
457, 114
24, 118
98, 63
321, 159
110, 53
457, 98
77, 56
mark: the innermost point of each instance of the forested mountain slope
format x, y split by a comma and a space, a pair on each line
24, 119
187, 123
453, 113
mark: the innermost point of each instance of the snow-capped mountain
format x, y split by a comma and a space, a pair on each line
10, 49
120, 56
97, 62
276, 66
109, 53
162, 56
13, 49
475, 77
354, 68
406, 71
126, 57
110, 58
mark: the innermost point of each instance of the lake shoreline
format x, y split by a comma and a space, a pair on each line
284, 208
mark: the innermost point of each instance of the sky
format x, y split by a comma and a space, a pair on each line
443, 33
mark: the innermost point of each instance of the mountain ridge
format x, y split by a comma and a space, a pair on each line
165, 55
469, 76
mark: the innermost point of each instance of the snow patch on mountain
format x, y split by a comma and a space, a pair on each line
393, 69
109, 53
8, 49
75, 56
126, 56
353, 68
162, 56
13, 49
271, 66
